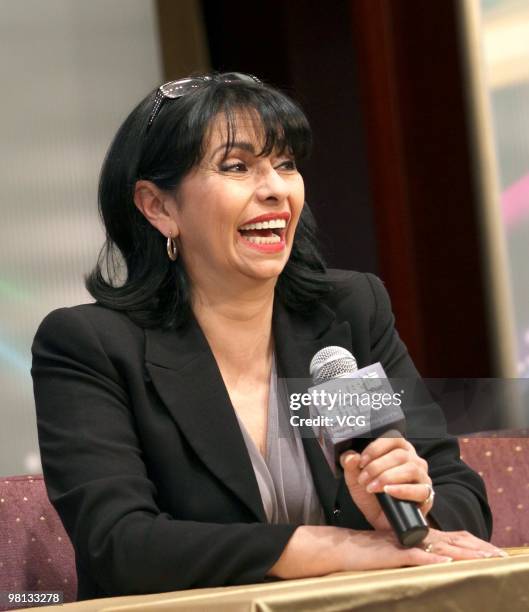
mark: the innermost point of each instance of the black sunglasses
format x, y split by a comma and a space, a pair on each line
177, 89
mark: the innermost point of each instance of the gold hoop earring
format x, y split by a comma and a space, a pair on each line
172, 249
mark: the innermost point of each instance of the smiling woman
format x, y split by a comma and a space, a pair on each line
160, 407
252, 201
232, 136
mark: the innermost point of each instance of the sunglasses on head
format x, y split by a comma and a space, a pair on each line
177, 89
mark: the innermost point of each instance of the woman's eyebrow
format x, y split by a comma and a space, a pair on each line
244, 146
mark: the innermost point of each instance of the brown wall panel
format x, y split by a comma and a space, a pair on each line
183, 43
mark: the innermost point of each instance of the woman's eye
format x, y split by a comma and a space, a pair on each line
233, 167
288, 164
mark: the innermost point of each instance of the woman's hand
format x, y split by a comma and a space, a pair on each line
387, 465
320, 550
459, 545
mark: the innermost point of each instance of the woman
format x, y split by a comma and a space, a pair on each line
157, 405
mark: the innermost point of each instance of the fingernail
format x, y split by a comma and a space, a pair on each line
486, 555
345, 458
363, 461
372, 486
447, 559
502, 553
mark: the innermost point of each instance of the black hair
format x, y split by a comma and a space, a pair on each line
133, 273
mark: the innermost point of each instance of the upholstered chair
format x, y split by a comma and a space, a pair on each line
35, 552
501, 458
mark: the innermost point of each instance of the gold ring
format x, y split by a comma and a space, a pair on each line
428, 548
431, 495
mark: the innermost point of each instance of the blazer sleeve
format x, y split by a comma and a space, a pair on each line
461, 499
98, 483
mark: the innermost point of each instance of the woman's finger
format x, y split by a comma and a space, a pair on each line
349, 462
382, 446
348, 457
418, 556
407, 473
418, 493
411, 492
463, 539
460, 553
374, 468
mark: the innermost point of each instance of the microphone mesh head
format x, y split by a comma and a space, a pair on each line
331, 362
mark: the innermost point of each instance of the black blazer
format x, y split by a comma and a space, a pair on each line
145, 462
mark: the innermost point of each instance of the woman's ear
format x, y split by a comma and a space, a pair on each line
156, 206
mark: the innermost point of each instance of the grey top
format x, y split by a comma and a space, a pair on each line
284, 476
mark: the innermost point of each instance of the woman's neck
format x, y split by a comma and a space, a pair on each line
238, 327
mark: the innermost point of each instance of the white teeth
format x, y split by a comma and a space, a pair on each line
273, 223
260, 240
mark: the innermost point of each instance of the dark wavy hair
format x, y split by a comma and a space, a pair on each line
133, 273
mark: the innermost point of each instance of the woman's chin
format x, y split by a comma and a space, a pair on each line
264, 270
263, 266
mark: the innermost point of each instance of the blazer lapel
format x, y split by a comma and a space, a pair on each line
188, 380
297, 339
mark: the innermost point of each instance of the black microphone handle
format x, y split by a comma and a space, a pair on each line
406, 519
404, 516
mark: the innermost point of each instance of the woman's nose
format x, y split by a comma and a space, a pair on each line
272, 186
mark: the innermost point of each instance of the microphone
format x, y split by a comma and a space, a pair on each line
335, 375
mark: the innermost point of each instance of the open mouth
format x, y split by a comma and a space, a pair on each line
271, 231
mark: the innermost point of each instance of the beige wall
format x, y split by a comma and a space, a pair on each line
71, 71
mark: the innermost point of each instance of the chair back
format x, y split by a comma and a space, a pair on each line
501, 458
35, 552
